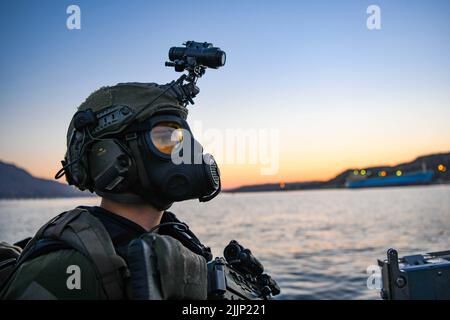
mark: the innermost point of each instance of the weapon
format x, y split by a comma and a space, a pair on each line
239, 276
421, 276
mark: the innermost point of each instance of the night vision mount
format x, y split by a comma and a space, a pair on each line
195, 58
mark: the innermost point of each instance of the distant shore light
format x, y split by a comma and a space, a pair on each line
363, 172
442, 168
398, 173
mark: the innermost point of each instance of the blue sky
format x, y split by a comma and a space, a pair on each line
340, 95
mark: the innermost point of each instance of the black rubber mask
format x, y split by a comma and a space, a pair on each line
171, 164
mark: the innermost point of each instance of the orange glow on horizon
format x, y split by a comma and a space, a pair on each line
293, 167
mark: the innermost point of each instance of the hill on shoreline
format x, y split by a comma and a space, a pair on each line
17, 183
429, 161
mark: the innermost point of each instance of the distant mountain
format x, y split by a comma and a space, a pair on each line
278, 186
429, 162
18, 183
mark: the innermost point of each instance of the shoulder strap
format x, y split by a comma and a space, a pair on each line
86, 234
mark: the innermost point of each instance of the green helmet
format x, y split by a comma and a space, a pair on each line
137, 97
116, 107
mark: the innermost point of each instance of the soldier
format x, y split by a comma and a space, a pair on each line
125, 144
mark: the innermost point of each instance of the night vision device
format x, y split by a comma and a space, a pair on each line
195, 58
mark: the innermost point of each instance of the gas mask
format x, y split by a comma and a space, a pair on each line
158, 160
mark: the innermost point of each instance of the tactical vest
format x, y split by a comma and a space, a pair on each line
78, 229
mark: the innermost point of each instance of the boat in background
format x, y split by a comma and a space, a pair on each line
403, 179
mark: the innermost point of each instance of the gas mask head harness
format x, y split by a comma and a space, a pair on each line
130, 143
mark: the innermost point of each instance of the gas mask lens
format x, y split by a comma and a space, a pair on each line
166, 136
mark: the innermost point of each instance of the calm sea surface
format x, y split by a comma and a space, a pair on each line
316, 244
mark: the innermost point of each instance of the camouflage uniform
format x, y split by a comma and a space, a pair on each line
48, 275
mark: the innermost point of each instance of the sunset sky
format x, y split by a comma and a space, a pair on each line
337, 94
